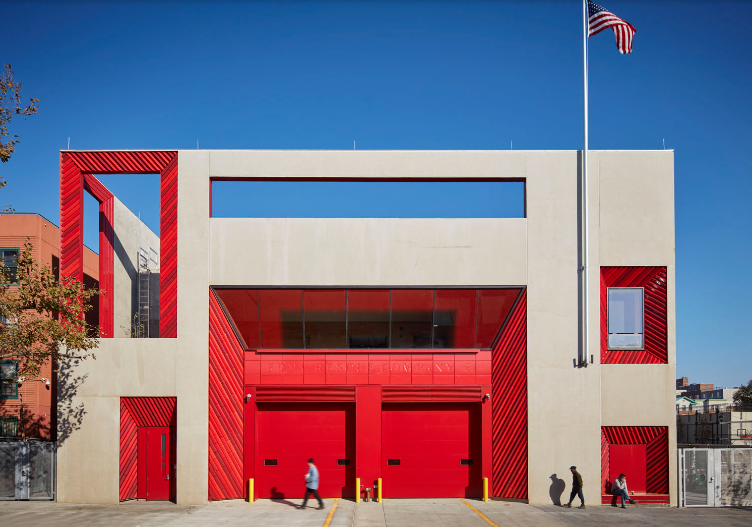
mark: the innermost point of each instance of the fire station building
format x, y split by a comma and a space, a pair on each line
430, 353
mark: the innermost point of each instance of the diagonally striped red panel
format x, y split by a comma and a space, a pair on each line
653, 279
509, 404
168, 246
152, 411
73, 166
657, 460
656, 439
448, 393
632, 435
71, 219
106, 253
225, 407
135, 412
128, 454
605, 462
114, 162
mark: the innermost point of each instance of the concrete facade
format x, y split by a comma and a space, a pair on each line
631, 224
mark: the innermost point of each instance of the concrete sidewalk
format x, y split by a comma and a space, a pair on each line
392, 513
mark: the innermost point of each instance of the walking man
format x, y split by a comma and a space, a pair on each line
576, 488
619, 489
312, 485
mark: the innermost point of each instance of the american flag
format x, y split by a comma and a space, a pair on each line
600, 18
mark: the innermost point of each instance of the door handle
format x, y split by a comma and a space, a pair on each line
167, 476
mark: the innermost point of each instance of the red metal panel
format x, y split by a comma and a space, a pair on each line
449, 393
632, 435
106, 253
368, 432
72, 167
135, 413
159, 460
630, 461
305, 393
653, 279
168, 246
71, 219
656, 457
151, 411
605, 463
114, 162
128, 453
657, 464
431, 441
225, 407
509, 399
292, 433
249, 438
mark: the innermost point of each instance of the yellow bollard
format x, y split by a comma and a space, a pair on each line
485, 489
250, 490
378, 494
357, 490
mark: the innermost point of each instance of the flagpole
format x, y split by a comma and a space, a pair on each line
584, 351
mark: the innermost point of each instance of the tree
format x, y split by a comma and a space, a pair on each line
10, 107
743, 396
43, 317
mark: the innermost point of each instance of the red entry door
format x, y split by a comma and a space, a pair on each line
431, 450
630, 460
290, 433
159, 461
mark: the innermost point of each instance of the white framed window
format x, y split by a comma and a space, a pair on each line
626, 318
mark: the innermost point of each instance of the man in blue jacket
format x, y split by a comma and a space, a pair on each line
312, 485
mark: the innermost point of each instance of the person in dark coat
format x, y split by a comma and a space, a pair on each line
576, 488
312, 485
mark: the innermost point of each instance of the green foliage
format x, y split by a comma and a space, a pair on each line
44, 317
10, 107
743, 396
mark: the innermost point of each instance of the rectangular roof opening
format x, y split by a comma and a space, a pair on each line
368, 199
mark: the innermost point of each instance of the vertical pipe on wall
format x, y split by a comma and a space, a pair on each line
584, 351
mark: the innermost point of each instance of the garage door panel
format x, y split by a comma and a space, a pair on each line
430, 440
290, 433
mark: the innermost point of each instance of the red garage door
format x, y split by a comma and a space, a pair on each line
290, 433
431, 450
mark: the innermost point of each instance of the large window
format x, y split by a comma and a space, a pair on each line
8, 379
368, 318
9, 262
626, 318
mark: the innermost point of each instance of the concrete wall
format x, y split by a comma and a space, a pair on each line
354, 251
540, 251
130, 234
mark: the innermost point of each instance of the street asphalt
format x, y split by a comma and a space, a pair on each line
391, 513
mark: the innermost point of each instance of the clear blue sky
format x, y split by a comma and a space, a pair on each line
417, 75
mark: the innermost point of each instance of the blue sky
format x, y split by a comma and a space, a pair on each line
420, 75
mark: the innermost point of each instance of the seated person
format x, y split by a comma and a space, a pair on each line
619, 488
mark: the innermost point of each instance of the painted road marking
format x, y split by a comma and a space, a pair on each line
489, 522
331, 513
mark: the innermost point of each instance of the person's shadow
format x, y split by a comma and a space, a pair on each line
556, 489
